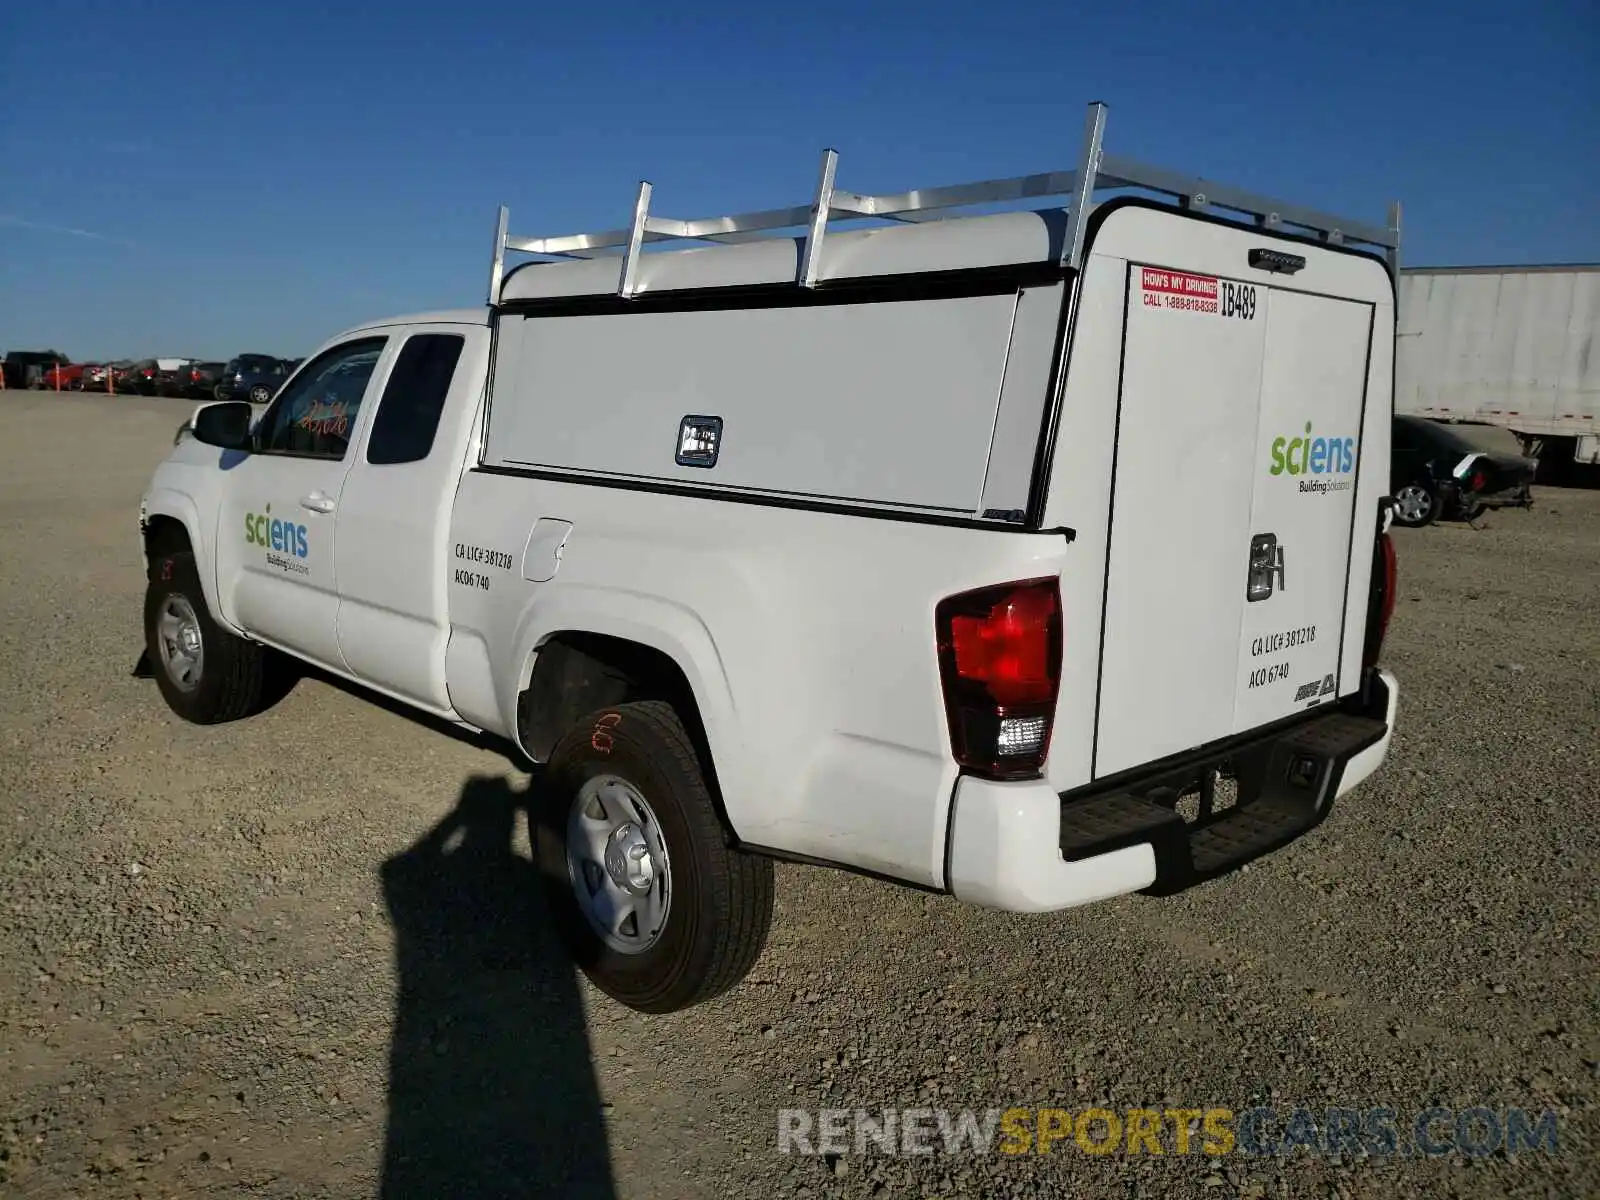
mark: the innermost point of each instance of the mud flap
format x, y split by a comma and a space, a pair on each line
142, 668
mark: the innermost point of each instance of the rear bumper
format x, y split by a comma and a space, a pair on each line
1022, 847
1520, 496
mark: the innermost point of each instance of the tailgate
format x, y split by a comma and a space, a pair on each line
1238, 446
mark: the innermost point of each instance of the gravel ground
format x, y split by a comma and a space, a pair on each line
301, 956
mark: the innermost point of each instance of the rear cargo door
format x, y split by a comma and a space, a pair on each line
1238, 416
1313, 389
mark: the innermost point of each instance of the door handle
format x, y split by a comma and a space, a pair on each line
1266, 567
317, 502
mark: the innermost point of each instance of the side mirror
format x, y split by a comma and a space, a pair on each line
226, 424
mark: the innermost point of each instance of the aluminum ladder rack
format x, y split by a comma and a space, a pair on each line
1096, 171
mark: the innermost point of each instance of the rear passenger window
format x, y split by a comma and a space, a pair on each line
408, 415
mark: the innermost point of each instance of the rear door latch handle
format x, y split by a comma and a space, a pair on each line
317, 502
1266, 567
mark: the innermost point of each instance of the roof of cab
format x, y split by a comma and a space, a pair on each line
952, 243
444, 316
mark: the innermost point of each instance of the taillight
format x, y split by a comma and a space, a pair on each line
1000, 666
1380, 606
1478, 481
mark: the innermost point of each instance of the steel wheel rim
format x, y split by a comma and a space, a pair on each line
617, 864
181, 646
1412, 502
260, 395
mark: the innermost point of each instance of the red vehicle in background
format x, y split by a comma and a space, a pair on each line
62, 377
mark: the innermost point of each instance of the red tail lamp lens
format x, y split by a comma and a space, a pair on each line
1385, 586
1000, 666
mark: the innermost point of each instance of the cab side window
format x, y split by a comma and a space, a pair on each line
413, 399
314, 416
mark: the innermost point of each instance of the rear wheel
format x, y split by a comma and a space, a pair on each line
1416, 504
654, 905
205, 674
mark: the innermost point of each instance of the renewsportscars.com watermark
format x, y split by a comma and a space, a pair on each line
1352, 1132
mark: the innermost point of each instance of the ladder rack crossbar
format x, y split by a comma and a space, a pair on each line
1202, 193
845, 205
1095, 171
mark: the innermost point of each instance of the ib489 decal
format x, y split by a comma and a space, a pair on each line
1189, 292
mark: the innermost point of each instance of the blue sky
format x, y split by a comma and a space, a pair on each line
208, 179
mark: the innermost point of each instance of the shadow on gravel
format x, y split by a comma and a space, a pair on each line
491, 1091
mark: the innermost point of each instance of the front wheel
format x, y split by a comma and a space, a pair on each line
1416, 504
205, 674
651, 901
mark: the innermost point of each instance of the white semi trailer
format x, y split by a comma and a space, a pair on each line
1512, 346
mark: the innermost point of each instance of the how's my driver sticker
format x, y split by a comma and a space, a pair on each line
1188, 292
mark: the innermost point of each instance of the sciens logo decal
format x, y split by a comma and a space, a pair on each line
263, 529
1313, 456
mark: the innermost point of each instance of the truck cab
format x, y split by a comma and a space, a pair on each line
347, 475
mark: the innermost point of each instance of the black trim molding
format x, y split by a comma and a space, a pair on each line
875, 289
668, 487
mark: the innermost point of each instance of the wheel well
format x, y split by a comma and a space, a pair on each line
164, 535
576, 672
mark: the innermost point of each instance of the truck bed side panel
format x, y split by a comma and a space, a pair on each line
807, 636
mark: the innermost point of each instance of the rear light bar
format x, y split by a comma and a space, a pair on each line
1000, 667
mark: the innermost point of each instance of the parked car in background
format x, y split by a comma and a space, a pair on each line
172, 376
198, 380
121, 375
158, 376
253, 377
24, 368
62, 377
1437, 472
146, 377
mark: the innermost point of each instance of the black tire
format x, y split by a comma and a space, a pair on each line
1470, 511
233, 671
222, 393
1425, 510
720, 905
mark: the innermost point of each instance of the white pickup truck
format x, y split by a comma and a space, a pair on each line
1034, 556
